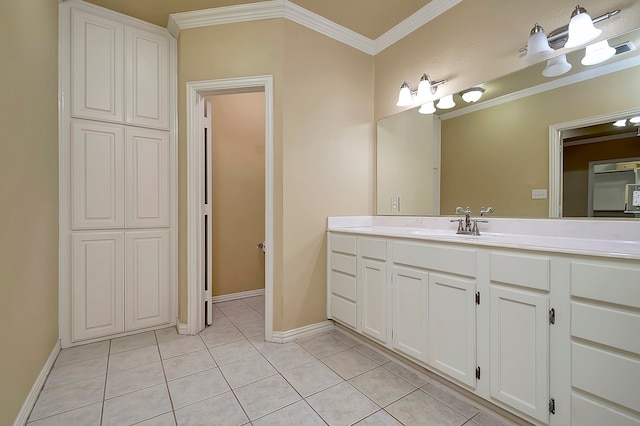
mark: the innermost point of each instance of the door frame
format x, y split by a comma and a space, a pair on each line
555, 152
196, 90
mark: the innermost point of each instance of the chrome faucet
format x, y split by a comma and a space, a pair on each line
468, 226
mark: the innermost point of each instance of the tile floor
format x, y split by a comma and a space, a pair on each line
227, 375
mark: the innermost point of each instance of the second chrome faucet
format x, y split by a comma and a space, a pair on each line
468, 226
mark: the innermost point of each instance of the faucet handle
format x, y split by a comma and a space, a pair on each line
460, 228
486, 211
460, 210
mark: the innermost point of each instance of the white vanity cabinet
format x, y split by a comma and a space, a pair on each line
410, 316
372, 288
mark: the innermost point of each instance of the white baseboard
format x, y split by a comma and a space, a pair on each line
32, 397
240, 295
182, 328
298, 333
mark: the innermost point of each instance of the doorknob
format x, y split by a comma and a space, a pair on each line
262, 246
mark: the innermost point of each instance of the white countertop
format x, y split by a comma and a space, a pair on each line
607, 238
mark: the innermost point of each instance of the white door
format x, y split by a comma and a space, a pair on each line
410, 312
520, 350
147, 270
97, 284
97, 67
205, 128
452, 327
373, 299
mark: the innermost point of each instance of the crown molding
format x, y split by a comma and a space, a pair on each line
560, 82
285, 9
427, 13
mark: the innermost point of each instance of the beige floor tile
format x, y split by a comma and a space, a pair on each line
135, 341
167, 419
483, 419
323, 345
266, 396
218, 323
372, 354
382, 386
82, 353
134, 379
467, 410
234, 351
409, 375
233, 307
220, 410
77, 371
245, 317
419, 408
167, 334
197, 387
85, 416
380, 418
217, 313
298, 413
289, 356
342, 405
184, 365
68, 397
311, 378
252, 329
222, 336
136, 406
180, 346
247, 371
133, 358
349, 363
345, 338
255, 301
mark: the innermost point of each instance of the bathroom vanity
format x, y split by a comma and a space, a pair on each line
539, 317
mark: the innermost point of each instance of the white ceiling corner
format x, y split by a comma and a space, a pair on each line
286, 9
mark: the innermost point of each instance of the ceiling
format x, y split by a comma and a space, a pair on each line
370, 18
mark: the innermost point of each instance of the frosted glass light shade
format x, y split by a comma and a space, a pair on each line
537, 46
597, 53
620, 123
424, 90
427, 108
472, 95
556, 66
446, 102
581, 29
635, 120
404, 97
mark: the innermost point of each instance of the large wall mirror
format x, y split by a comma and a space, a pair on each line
499, 151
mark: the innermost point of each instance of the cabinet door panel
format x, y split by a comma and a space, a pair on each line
373, 287
520, 350
452, 327
148, 178
97, 284
147, 78
410, 312
147, 274
97, 69
97, 171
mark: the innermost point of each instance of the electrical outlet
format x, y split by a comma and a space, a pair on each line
538, 194
395, 204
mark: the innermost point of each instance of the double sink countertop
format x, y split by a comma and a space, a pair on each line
599, 237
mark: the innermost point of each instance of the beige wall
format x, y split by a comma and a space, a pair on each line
237, 175
28, 197
496, 156
323, 149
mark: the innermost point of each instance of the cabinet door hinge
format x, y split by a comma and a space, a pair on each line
478, 373
552, 406
477, 298
552, 316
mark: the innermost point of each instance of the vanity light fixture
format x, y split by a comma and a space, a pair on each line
620, 123
581, 29
556, 66
472, 95
427, 108
538, 45
426, 88
446, 102
635, 120
597, 53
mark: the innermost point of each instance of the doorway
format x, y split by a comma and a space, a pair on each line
198, 252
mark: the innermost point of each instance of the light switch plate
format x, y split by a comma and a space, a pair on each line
538, 194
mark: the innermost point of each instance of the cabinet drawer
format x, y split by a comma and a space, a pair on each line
605, 325
606, 283
373, 248
343, 244
615, 379
521, 270
343, 310
343, 263
587, 412
343, 285
436, 257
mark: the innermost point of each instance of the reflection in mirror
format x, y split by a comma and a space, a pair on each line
497, 152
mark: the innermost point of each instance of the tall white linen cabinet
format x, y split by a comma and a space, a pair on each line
118, 174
